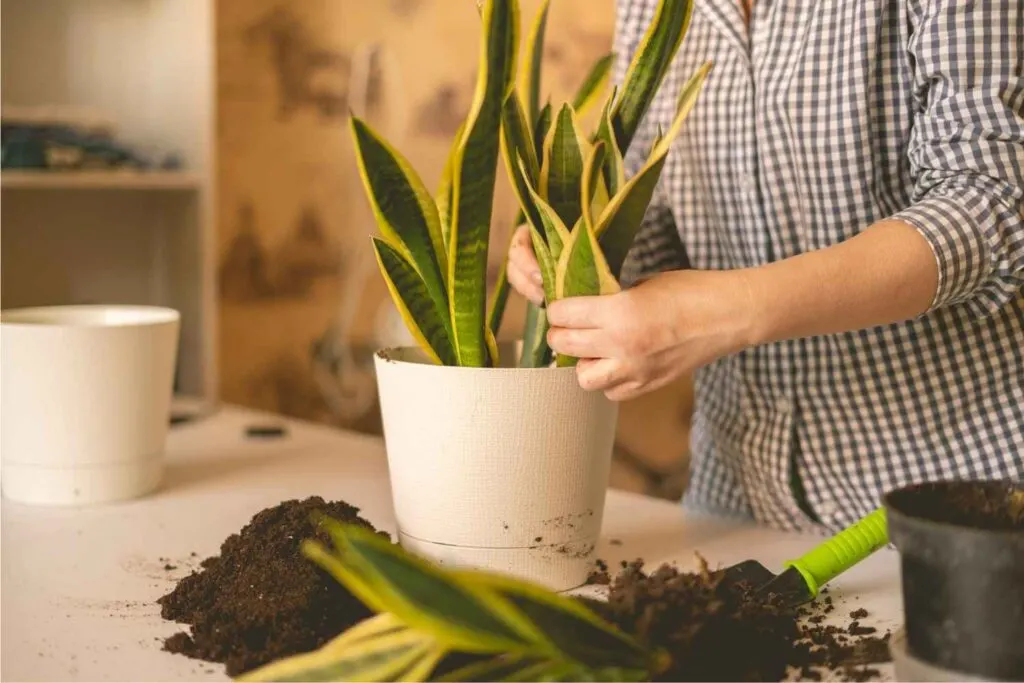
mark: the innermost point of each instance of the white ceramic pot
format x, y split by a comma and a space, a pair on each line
85, 396
503, 469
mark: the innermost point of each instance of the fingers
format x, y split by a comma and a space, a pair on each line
523, 271
580, 343
583, 312
599, 374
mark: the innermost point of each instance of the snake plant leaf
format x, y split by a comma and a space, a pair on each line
382, 657
534, 59
428, 599
621, 219
614, 171
562, 168
473, 177
497, 668
545, 261
428, 324
592, 85
551, 226
535, 353
520, 160
574, 631
348, 576
591, 179
405, 211
494, 358
540, 130
582, 271
425, 665
444, 192
648, 67
499, 297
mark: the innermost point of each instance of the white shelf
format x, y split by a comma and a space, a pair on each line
99, 180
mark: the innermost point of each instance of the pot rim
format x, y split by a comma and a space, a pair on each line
382, 355
895, 508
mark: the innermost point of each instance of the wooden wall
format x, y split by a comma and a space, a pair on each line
302, 306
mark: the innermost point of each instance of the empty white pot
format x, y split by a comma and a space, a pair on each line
503, 469
85, 396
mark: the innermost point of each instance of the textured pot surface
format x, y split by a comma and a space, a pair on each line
500, 468
962, 571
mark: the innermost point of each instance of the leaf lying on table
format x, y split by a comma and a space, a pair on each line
517, 630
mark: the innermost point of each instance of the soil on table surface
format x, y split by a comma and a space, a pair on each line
992, 506
716, 631
261, 599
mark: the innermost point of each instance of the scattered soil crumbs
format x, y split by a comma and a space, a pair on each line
716, 631
261, 599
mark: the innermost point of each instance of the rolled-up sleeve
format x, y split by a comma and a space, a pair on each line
966, 150
657, 246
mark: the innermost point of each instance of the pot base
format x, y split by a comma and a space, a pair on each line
73, 486
556, 567
910, 668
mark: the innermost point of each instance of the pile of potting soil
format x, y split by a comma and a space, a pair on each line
261, 599
716, 631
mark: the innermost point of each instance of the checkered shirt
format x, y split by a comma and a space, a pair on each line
831, 115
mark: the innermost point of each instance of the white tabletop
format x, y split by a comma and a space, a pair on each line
79, 585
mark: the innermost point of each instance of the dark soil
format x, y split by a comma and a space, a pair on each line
991, 506
716, 631
261, 599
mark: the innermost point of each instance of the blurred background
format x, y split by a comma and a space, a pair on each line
195, 154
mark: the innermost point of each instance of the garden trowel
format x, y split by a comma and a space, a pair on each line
804, 577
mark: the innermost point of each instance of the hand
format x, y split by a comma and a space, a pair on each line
643, 338
523, 271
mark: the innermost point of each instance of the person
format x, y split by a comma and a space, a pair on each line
835, 250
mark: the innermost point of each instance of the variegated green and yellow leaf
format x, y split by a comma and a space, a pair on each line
573, 631
562, 168
405, 211
545, 262
428, 599
581, 269
425, 665
591, 180
617, 227
348, 576
499, 297
648, 67
494, 669
536, 352
520, 161
590, 90
614, 171
492, 348
534, 60
540, 130
427, 323
552, 228
444, 192
378, 658
475, 169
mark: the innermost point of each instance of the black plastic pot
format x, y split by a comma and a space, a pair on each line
961, 546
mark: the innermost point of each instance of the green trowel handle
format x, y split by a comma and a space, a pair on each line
842, 551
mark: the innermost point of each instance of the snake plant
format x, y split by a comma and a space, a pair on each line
582, 211
508, 629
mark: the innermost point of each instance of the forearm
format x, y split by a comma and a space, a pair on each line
884, 275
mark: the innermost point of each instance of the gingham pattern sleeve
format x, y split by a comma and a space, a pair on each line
966, 150
657, 246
